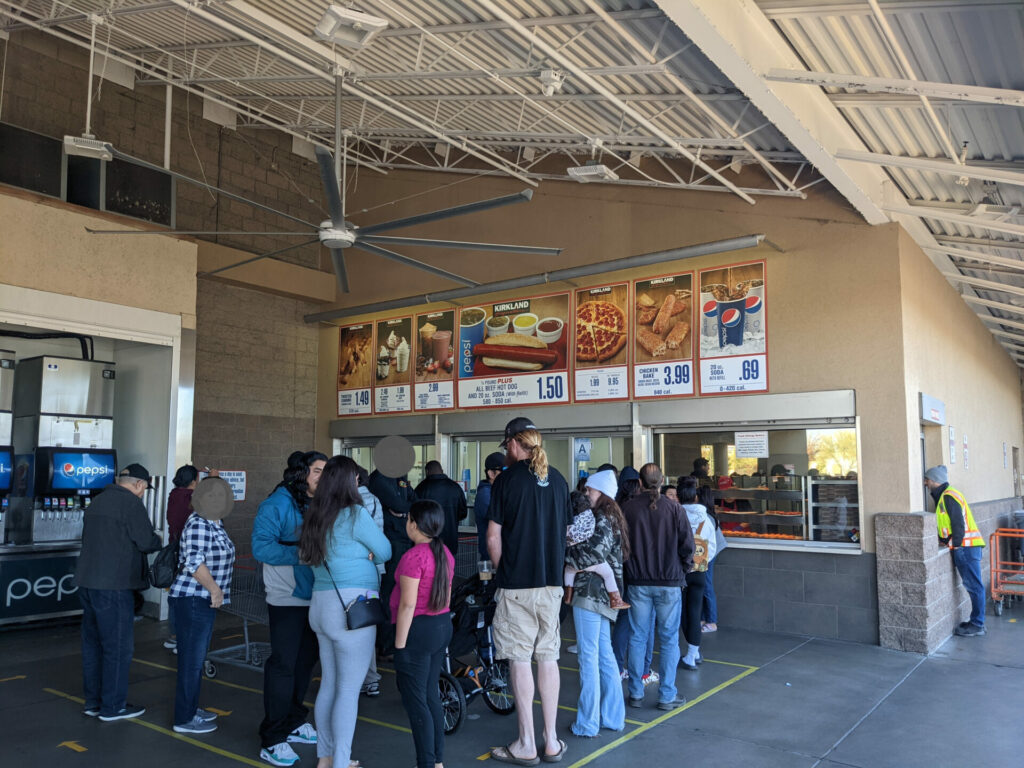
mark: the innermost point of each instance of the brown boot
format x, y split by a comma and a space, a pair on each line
568, 595
617, 604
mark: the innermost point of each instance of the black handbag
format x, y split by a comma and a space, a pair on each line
363, 611
164, 568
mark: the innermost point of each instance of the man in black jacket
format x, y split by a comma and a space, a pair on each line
116, 537
437, 486
395, 496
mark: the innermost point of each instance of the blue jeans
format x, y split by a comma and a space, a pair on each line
601, 704
193, 617
108, 642
968, 565
666, 603
620, 638
710, 611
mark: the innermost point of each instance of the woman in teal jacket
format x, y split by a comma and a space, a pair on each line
343, 544
289, 585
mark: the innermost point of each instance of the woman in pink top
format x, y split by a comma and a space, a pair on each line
423, 627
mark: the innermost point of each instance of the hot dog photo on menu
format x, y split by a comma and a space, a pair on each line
514, 336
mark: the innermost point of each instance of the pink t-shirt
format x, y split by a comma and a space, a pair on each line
418, 563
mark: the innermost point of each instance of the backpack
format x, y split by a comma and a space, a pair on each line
700, 550
164, 568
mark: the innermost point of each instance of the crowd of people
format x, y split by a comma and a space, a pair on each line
358, 567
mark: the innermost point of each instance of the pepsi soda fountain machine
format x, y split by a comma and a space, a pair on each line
63, 446
6, 424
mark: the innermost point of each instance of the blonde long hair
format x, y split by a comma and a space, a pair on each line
532, 442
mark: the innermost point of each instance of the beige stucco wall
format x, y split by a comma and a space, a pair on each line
951, 356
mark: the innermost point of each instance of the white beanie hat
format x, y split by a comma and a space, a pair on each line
605, 482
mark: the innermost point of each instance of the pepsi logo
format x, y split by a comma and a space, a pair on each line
754, 304
731, 318
710, 308
68, 469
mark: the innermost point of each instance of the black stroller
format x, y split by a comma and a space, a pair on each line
470, 666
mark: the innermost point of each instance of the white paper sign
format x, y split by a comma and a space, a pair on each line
392, 399
233, 477
434, 395
355, 402
965, 451
529, 389
602, 383
581, 448
952, 446
751, 445
747, 373
663, 379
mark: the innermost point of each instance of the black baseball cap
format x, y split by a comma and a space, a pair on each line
517, 426
494, 461
139, 472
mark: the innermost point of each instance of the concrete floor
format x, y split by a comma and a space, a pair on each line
761, 700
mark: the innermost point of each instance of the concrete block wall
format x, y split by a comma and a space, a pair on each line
920, 597
805, 593
45, 91
255, 397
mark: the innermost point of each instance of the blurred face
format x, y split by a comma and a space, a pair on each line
138, 488
313, 478
930, 484
671, 494
592, 494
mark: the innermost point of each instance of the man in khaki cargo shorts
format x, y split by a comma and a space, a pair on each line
528, 515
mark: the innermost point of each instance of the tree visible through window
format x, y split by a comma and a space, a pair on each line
833, 452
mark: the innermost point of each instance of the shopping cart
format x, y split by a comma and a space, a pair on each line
248, 602
1007, 570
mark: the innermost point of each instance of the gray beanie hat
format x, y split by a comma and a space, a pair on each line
938, 474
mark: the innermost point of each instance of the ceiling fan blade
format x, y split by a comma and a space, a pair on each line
447, 213
184, 232
338, 258
326, 162
458, 245
218, 190
414, 263
257, 258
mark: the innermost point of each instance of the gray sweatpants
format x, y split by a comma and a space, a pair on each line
345, 657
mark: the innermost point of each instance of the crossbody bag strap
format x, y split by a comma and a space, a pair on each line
336, 590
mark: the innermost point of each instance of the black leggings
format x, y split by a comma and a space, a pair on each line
693, 601
293, 654
418, 668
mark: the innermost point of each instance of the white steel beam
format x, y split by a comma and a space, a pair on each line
932, 165
744, 44
1000, 305
953, 218
986, 285
893, 85
984, 242
985, 258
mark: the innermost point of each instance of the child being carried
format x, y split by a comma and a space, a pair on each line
581, 529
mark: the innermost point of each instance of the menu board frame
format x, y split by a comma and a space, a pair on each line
353, 361
764, 320
451, 375
692, 359
464, 383
627, 368
410, 367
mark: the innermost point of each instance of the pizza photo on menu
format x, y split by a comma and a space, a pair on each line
602, 326
663, 307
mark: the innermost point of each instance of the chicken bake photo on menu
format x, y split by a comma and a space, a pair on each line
663, 319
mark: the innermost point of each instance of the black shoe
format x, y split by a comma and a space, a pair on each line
971, 630
668, 706
964, 624
685, 665
635, 703
127, 712
91, 710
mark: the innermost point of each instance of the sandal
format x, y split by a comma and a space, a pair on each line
557, 757
504, 755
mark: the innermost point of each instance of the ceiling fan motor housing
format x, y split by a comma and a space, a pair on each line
334, 237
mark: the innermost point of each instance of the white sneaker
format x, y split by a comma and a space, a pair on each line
304, 734
573, 649
170, 643
280, 754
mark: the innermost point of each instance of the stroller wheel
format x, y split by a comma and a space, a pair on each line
498, 690
453, 703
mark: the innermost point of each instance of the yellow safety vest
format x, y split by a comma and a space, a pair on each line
972, 537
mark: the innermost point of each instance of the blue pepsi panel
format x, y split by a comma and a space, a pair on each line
6, 470
81, 470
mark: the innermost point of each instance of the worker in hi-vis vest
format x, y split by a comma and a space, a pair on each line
959, 532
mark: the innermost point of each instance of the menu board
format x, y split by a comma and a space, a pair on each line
514, 352
733, 335
600, 354
392, 391
662, 336
434, 361
355, 370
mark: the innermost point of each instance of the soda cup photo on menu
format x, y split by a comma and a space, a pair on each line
754, 308
709, 309
731, 317
471, 333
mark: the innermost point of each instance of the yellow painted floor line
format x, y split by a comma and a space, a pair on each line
659, 720
248, 689
168, 732
571, 640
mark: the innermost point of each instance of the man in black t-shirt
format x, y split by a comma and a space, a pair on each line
529, 514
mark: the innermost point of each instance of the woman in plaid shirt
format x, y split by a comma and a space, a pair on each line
205, 562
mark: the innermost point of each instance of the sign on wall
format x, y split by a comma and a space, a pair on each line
733, 336
751, 445
600, 351
663, 336
952, 445
392, 387
355, 371
514, 352
434, 364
